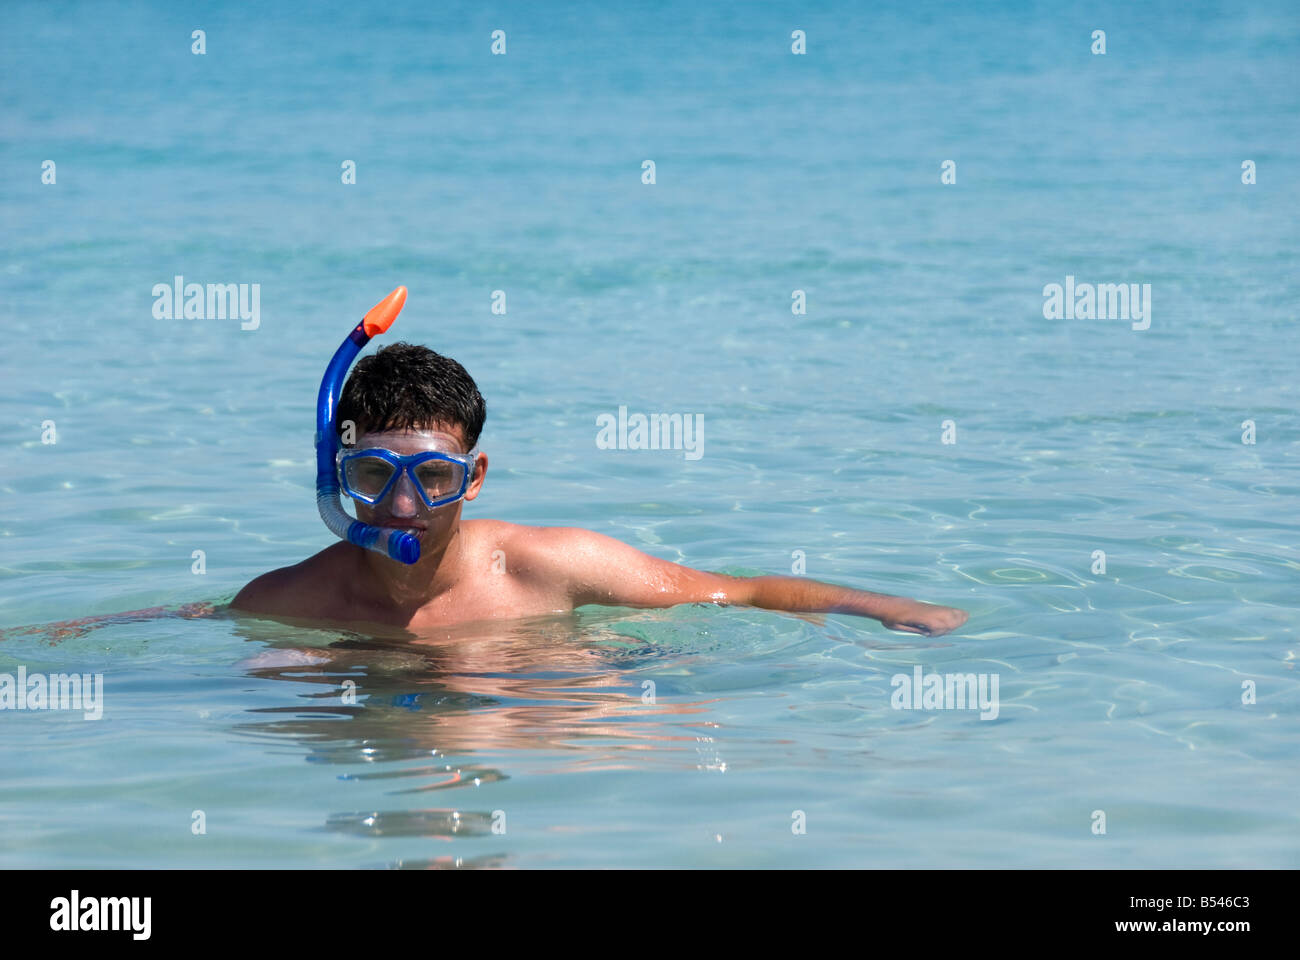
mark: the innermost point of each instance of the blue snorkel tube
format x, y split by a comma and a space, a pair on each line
392, 543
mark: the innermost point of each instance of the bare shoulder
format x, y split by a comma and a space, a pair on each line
306, 589
502, 543
591, 567
539, 554
522, 543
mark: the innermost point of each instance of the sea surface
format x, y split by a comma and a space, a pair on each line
1115, 507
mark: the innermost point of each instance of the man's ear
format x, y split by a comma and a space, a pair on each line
480, 472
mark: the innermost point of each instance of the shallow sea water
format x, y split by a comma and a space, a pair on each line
528, 744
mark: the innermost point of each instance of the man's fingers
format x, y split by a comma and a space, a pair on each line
904, 627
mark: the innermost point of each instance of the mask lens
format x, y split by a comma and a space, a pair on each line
439, 478
368, 476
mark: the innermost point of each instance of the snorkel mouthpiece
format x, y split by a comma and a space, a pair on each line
394, 544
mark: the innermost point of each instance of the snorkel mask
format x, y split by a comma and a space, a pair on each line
392, 543
439, 477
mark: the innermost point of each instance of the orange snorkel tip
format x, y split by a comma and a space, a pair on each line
381, 316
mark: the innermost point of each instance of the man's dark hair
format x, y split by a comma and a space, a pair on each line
406, 386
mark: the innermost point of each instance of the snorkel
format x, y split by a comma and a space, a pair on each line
392, 543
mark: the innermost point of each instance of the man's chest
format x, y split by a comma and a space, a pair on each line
492, 597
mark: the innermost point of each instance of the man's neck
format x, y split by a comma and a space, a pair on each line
406, 588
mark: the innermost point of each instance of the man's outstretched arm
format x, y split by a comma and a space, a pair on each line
798, 595
594, 568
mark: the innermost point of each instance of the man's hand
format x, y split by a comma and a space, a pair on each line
913, 616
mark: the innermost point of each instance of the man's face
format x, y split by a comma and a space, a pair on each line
403, 507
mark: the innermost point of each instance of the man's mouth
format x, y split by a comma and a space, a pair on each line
399, 525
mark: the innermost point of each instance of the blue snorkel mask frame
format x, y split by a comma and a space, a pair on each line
393, 543
406, 466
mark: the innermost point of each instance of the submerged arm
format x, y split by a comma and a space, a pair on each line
65, 629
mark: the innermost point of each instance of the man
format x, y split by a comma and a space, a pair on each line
417, 417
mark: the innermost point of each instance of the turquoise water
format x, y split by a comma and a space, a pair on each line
1119, 691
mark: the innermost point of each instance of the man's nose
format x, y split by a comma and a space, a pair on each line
406, 501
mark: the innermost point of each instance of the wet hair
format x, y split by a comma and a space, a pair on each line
406, 386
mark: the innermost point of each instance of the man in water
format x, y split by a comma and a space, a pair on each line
406, 401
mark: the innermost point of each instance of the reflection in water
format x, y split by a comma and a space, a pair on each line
431, 712
412, 823
492, 861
